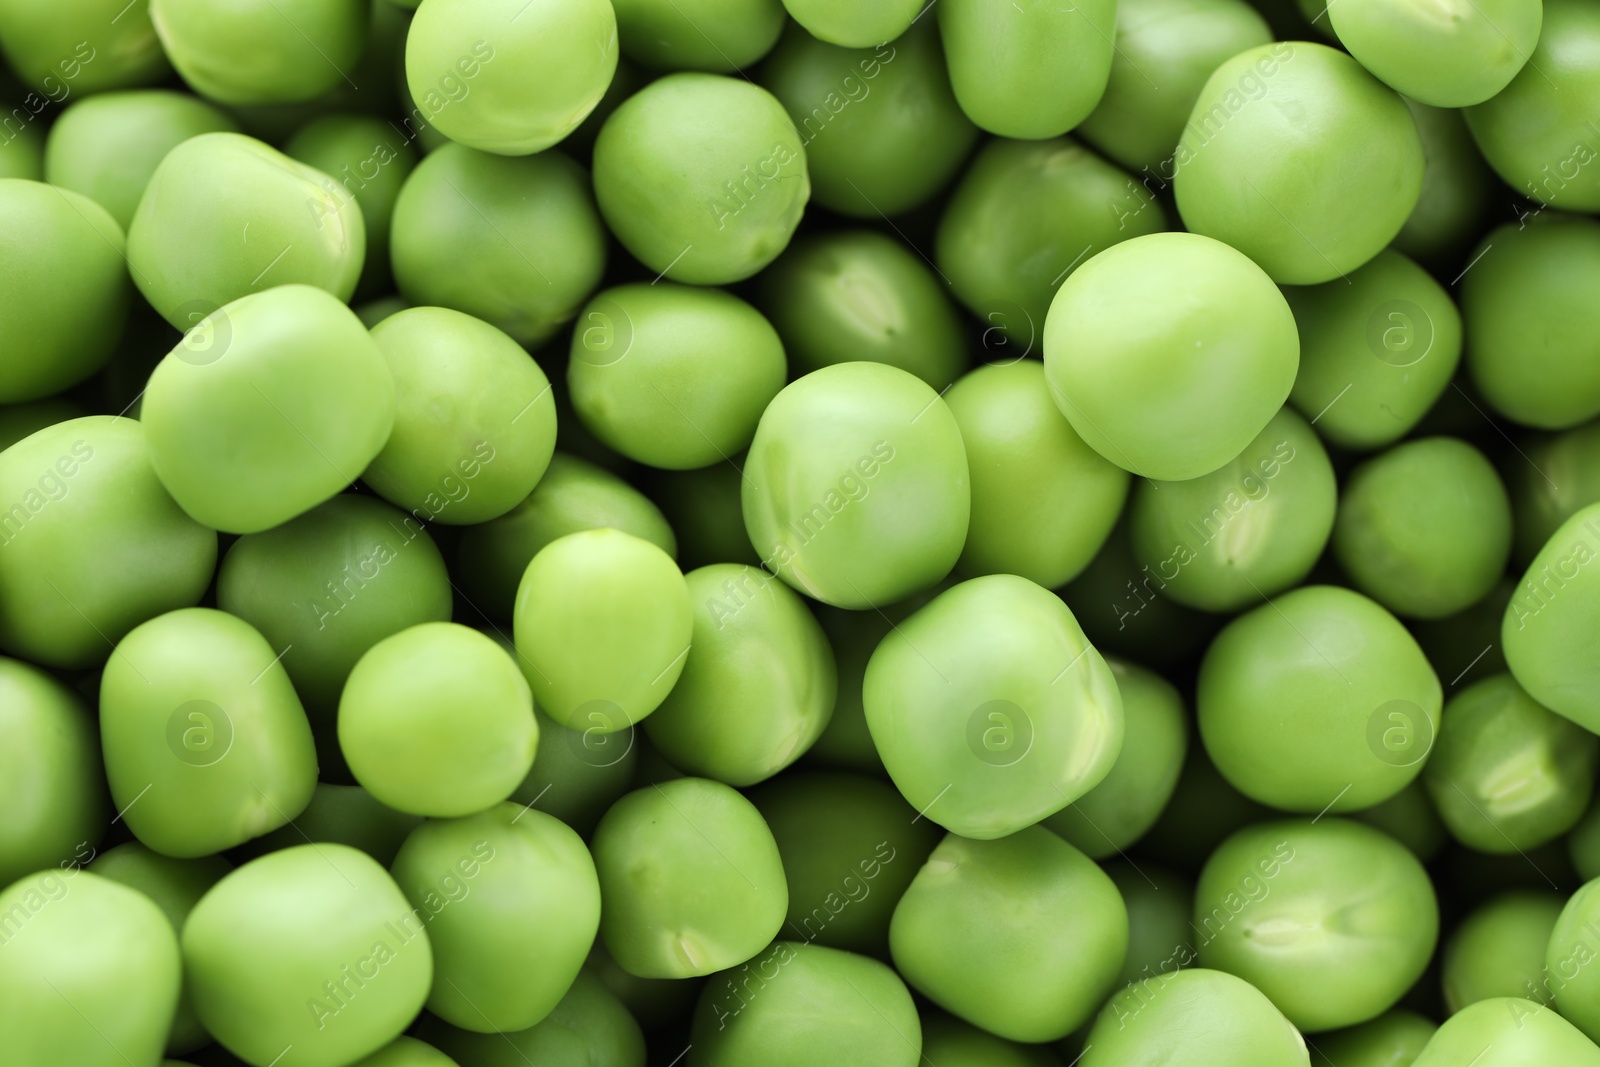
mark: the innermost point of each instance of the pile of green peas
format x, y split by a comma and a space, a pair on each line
799, 533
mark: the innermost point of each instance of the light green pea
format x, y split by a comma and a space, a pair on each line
720, 36
589, 1027
1022, 936
1541, 502
343, 815
1455, 189
375, 311
311, 954
89, 972
1552, 623
1394, 1039
406, 1052
854, 25
262, 51
604, 621
1454, 645
1446, 62
1508, 1032
199, 722
1199, 1017
81, 46
1160, 904
691, 881
1499, 950
672, 375
91, 545
839, 456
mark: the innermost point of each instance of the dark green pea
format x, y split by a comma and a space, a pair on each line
1410, 818
406, 1052
881, 130
1583, 845
1394, 1039
949, 1042
1499, 950
1462, 59
589, 1027
706, 511
1204, 810
1455, 189
720, 36
1465, 647
1552, 624
258, 52
1160, 904
653, 1002
81, 46
1508, 1032
24, 420
22, 152
577, 774
343, 815
1197, 1017
375, 311
1561, 476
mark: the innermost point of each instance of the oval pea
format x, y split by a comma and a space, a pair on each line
1499, 950
1212, 1019
1553, 614
852, 25
1507, 1032
1395, 1037
1457, 63
82, 46
257, 52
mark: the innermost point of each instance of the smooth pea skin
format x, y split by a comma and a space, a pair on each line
1376, 350
1309, 198
1499, 950
690, 878
881, 130
1117, 812
1424, 528
89, 972
406, 1052
293, 381
515, 242
226, 215
91, 545
590, 1027
1393, 1039
1025, 215
1450, 57
108, 146
1508, 1032
344, 815
1532, 346
673, 376
1169, 354
862, 295
1571, 462
758, 685
707, 514
509, 76
1250, 529
577, 774
1030, 70
438, 720
1160, 904
949, 1042
1366, 702
839, 457
853, 25
1332, 920
262, 51
1535, 132
513, 904
51, 778
1552, 624
1043, 501
63, 288
81, 46
701, 177
311, 953
1456, 188
604, 621
199, 721
816, 1005
1568, 976
991, 709
572, 495
1198, 1017
720, 36
1022, 936
1139, 119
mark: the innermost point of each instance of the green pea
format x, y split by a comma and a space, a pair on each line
589, 1027
65, 286
406, 1052
850, 846
1410, 818
1169, 353
1312, 199
1455, 189
577, 774
572, 495
1034, 73
628, 79
1024, 216
294, 381
1199, 1017
91, 545
1535, 132
344, 815
310, 954
853, 25
838, 458
1366, 702
604, 620
1394, 1039
805, 1006
1570, 480
1553, 622
652, 1002
1466, 646
882, 131
1376, 351
1508, 1032
332, 583
1530, 322
509, 76
757, 686
1205, 808
949, 1042
200, 725
859, 295
720, 36
671, 375
514, 242
1165, 50
690, 878
1250, 529
262, 51
1022, 936
18, 421
107, 147
22, 151
1159, 905
1127, 802
1043, 502
1446, 63
705, 509
737, 183
89, 972
1499, 950
82, 46
175, 886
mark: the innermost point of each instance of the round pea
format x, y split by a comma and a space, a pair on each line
1446, 62
690, 878
705, 509
577, 774
1411, 819
1310, 200
262, 51
1199, 1017
1499, 950
1507, 1032
720, 36
590, 1027
854, 25
1160, 904
343, 815
1455, 189
652, 1002
672, 375
949, 1042
701, 177
1366, 702
1169, 353
82, 46
1393, 1039
1552, 624
1561, 476
838, 458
